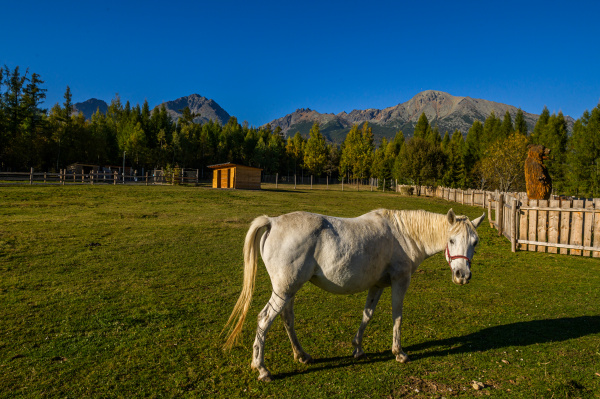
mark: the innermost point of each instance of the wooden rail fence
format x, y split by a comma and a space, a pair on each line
156, 177
560, 225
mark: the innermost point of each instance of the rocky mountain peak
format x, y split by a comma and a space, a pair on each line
208, 109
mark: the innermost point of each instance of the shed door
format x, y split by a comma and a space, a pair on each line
225, 178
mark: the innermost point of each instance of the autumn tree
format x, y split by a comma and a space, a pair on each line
295, 151
315, 153
503, 163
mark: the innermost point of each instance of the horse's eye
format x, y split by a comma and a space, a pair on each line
452, 241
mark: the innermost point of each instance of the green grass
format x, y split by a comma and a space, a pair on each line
110, 291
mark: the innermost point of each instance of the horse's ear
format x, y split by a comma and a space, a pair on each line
478, 221
451, 217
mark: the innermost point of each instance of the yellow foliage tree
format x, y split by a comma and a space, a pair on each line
502, 166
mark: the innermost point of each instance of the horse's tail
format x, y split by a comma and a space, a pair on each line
240, 310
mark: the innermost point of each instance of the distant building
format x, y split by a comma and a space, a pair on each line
79, 168
230, 175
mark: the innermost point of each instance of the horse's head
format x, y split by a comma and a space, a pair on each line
460, 248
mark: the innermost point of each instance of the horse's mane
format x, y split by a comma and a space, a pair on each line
428, 228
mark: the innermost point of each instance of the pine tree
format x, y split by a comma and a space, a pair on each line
433, 136
540, 125
445, 141
422, 127
583, 170
507, 127
520, 124
473, 148
492, 130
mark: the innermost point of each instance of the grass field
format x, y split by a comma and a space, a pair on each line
110, 291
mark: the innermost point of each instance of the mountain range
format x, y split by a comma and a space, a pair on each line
207, 109
446, 111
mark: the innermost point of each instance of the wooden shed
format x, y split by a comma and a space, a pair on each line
230, 175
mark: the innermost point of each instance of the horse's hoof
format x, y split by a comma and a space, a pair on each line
305, 359
265, 377
358, 354
402, 358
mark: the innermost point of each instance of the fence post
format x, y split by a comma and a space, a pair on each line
294, 182
513, 225
342, 183
384, 184
197, 176
31, 177
489, 206
115, 177
327, 177
276, 179
500, 213
147, 178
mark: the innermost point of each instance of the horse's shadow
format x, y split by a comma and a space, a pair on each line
515, 334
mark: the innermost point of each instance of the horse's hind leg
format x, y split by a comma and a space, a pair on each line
372, 299
288, 322
265, 319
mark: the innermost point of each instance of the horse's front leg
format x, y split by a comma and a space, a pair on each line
372, 299
265, 319
399, 287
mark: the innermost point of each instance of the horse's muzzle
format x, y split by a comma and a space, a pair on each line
461, 277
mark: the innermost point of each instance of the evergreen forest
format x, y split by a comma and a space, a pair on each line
490, 155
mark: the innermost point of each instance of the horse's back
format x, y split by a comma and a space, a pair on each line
338, 254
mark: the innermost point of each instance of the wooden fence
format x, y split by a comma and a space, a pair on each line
156, 177
568, 226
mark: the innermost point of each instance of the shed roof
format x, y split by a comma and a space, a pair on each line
230, 165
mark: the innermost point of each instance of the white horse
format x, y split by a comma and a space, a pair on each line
379, 249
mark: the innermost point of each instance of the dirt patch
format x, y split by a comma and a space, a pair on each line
416, 387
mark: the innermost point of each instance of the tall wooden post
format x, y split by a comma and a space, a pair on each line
31, 177
294, 182
342, 183
500, 213
513, 225
311, 181
489, 206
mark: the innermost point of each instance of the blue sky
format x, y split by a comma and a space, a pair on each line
263, 60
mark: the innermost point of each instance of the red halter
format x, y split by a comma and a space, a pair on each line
451, 258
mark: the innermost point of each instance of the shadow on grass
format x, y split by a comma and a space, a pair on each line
516, 334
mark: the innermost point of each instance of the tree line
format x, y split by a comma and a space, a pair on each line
490, 156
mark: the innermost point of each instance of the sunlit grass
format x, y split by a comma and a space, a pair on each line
122, 291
